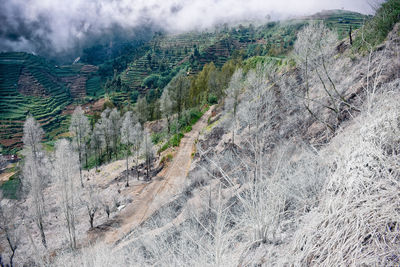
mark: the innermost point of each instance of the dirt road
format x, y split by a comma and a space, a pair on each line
153, 195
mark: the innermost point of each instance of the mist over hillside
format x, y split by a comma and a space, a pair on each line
61, 30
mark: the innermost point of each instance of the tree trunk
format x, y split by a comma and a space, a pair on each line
80, 167
350, 37
91, 216
96, 159
147, 169
86, 158
137, 163
127, 174
13, 249
41, 229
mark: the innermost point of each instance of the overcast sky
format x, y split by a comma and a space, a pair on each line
33, 25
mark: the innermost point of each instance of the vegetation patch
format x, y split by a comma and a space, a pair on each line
166, 158
377, 28
11, 187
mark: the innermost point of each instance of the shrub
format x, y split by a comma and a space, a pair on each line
195, 115
212, 99
166, 158
176, 139
164, 147
188, 129
157, 137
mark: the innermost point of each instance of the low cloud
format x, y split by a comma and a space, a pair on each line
57, 26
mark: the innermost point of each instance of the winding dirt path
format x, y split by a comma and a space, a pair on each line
170, 182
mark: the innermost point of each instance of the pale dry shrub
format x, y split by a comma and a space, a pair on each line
357, 221
98, 255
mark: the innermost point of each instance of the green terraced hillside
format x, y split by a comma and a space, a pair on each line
193, 50
341, 20
30, 85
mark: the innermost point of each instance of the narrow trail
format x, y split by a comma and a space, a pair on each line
156, 193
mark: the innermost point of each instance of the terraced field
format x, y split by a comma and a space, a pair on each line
30, 85
341, 20
169, 52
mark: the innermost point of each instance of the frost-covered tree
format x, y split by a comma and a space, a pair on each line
115, 124
3, 160
167, 107
257, 110
137, 140
148, 153
128, 137
32, 137
107, 130
232, 97
313, 51
10, 228
80, 129
35, 171
65, 170
90, 198
97, 142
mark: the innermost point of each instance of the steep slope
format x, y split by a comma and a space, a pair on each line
316, 189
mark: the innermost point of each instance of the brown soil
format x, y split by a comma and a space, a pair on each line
149, 197
88, 108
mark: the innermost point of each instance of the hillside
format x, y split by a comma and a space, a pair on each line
192, 51
251, 145
29, 84
289, 189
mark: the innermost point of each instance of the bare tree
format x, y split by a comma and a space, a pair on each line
65, 170
10, 228
115, 131
107, 207
90, 198
148, 152
3, 160
106, 131
127, 138
80, 129
167, 107
97, 142
257, 110
232, 97
313, 51
137, 139
35, 171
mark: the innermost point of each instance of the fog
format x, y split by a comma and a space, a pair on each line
53, 27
